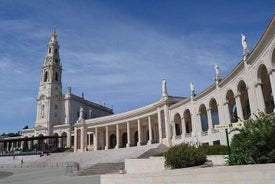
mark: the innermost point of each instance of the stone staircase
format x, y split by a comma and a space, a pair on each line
102, 168
115, 167
153, 151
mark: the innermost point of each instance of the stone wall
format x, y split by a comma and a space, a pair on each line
252, 174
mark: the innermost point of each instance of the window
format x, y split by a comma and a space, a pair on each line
46, 76
56, 76
50, 50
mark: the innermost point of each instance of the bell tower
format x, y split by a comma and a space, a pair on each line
50, 89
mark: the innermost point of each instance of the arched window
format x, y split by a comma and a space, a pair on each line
50, 50
46, 76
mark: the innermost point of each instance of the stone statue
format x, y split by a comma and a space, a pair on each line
217, 71
81, 113
245, 47
164, 88
192, 88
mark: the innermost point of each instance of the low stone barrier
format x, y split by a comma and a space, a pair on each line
252, 174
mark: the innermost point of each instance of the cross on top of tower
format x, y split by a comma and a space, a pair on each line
54, 35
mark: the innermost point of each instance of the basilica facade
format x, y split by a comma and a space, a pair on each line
86, 126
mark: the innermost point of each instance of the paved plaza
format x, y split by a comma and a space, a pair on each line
43, 176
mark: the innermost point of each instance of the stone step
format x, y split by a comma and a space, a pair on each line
153, 151
102, 168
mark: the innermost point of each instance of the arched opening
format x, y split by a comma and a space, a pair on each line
266, 89
203, 116
112, 141
244, 100
124, 139
177, 120
214, 112
188, 121
232, 108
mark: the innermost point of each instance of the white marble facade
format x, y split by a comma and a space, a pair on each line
246, 90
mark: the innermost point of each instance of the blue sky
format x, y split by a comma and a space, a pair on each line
117, 52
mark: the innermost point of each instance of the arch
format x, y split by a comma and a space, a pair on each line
177, 120
232, 108
188, 121
242, 89
266, 88
214, 112
203, 117
124, 139
112, 141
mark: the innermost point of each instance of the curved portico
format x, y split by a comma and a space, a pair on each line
246, 90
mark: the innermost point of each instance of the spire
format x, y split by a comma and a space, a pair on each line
53, 36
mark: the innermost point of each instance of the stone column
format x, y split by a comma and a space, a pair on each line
69, 139
173, 130
183, 130
117, 136
150, 130
75, 139
95, 139
139, 133
210, 122
260, 97
239, 106
128, 135
81, 139
159, 125
107, 138
227, 113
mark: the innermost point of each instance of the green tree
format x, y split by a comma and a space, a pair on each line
255, 144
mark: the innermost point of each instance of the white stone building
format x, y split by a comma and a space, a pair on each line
246, 90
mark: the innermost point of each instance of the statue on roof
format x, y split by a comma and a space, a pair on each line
245, 47
217, 71
164, 88
192, 88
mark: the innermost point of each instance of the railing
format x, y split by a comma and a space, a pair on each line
39, 165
